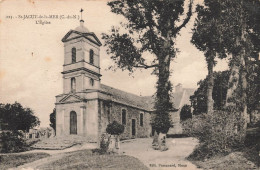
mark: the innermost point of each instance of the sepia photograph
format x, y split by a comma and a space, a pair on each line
130, 84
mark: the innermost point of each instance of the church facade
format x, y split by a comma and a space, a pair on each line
86, 106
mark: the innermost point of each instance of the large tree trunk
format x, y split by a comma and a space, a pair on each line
210, 102
233, 81
162, 142
244, 89
163, 104
243, 75
155, 140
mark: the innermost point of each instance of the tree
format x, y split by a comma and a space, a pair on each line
16, 117
185, 112
114, 129
199, 99
53, 119
206, 38
152, 27
240, 25
237, 20
220, 88
253, 95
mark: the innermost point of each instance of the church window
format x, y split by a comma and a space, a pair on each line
123, 116
91, 56
73, 55
91, 81
73, 84
108, 114
141, 119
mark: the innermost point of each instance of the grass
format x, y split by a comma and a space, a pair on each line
87, 159
245, 158
235, 160
14, 160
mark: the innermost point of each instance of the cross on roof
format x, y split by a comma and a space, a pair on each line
81, 10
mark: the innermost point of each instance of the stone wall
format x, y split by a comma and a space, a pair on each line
115, 111
87, 119
177, 127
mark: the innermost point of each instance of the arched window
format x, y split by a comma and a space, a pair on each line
123, 116
73, 84
141, 119
91, 56
73, 55
73, 122
91, 82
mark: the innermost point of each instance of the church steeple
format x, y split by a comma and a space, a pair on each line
81, 19
81, 27
81, 69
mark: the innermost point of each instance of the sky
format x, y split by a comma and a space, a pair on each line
31, 55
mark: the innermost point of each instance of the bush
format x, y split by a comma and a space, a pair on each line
218, 133
12, 142
104, 143
115, 128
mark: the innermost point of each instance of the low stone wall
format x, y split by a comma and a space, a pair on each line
38, 133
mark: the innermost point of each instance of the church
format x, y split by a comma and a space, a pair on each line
86, 106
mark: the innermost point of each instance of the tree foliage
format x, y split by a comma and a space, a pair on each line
239, 23
199, 99
185, 112
12, 142
115, 128
207, 38
230, 27
16, 117
152, 27
53, 119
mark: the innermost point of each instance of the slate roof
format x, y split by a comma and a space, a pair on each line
145, 102
127, 98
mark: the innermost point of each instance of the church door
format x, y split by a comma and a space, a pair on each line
73, 122
133, 127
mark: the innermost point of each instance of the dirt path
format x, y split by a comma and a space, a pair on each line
174, 158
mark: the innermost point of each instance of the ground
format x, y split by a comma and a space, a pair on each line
234, 160
14, 160
85, 159
134, 154
173, 158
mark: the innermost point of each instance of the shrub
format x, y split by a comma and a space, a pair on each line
12, 142
104, 143
115, 128
219, 133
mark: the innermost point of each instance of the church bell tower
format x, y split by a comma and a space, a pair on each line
81, 69
77, 106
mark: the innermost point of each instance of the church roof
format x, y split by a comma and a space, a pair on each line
127, 98
146, 102
74, 34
